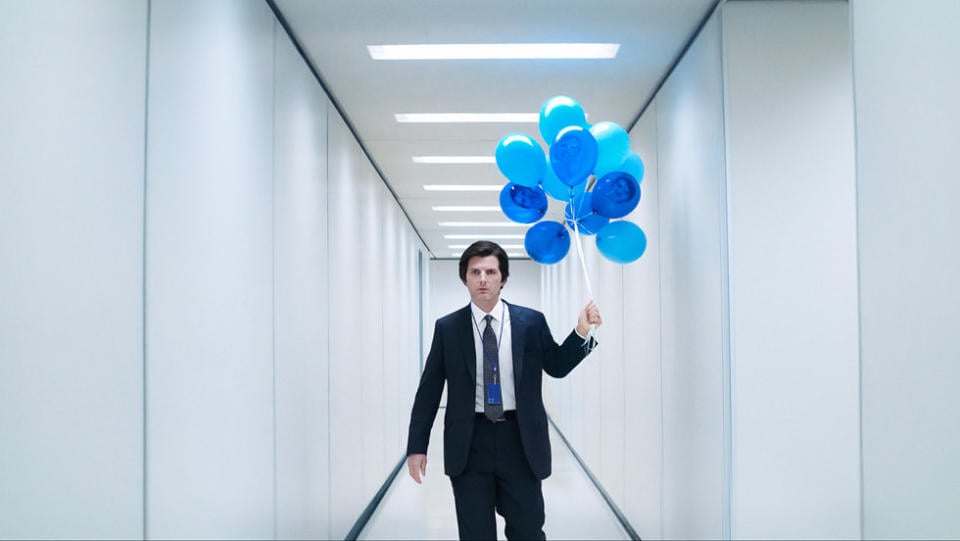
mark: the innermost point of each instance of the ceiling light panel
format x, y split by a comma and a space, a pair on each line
436, 118
481, 224
463, 187
509, 254
464, 208
504, 246
492, 236
454, 159
494, 51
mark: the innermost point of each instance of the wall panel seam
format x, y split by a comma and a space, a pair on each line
726, 301
856, 211
143, 248
656, 120
276, 259
326, 232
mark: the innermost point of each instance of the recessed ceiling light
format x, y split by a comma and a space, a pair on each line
494, 236
484, 51
481, 224
464, 208
467, 117
454, 159
504, 246
462, 187
509, 254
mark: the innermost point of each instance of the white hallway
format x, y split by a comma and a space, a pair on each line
574, 508
212, 309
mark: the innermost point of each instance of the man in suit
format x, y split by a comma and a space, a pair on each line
492, 356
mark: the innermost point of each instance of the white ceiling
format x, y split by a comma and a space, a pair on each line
335, 33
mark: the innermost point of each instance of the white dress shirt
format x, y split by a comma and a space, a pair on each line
501, 320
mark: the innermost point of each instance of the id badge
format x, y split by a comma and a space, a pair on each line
493, 393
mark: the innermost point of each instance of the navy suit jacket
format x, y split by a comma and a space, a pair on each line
453, 359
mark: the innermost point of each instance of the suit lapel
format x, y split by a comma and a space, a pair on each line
518, 331
467, 341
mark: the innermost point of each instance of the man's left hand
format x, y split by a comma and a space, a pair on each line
590, 315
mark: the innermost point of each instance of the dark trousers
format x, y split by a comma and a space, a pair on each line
498, 478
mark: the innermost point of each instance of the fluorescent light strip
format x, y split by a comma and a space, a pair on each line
485, 51
509, 254
465, 208
436, 118
454, 159
504, 246
481, 224
495, 236
462, 187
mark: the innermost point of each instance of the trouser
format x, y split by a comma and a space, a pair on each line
498, 479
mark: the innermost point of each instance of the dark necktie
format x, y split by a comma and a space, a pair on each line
491, 368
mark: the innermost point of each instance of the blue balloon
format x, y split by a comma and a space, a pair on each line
621, 241
520, 159
615, 195
547, 242
613, 145
633, 166
559, 112
523, 204
573, 155
558, 190
588, 221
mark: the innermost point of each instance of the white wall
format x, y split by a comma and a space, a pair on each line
179, 283
209, 271
643, 445
374, 319
907, 80
793, 270
692, 188
71, 235
356, 344
301, 320
738, 344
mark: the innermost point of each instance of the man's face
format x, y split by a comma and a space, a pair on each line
484, 280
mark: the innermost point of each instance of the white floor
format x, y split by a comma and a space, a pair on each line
574, 508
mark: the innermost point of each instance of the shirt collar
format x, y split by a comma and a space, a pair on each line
498, 309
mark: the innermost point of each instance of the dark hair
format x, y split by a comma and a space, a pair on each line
483, 248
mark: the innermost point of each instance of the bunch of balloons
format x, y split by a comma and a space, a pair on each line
590, 168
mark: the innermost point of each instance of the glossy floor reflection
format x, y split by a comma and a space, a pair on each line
574, 507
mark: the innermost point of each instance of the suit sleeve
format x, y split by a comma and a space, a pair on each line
560, 359
427, 400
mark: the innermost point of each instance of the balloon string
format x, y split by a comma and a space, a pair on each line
583, 262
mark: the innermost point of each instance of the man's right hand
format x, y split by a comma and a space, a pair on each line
417, 465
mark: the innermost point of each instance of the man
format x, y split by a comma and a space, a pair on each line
492, 356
